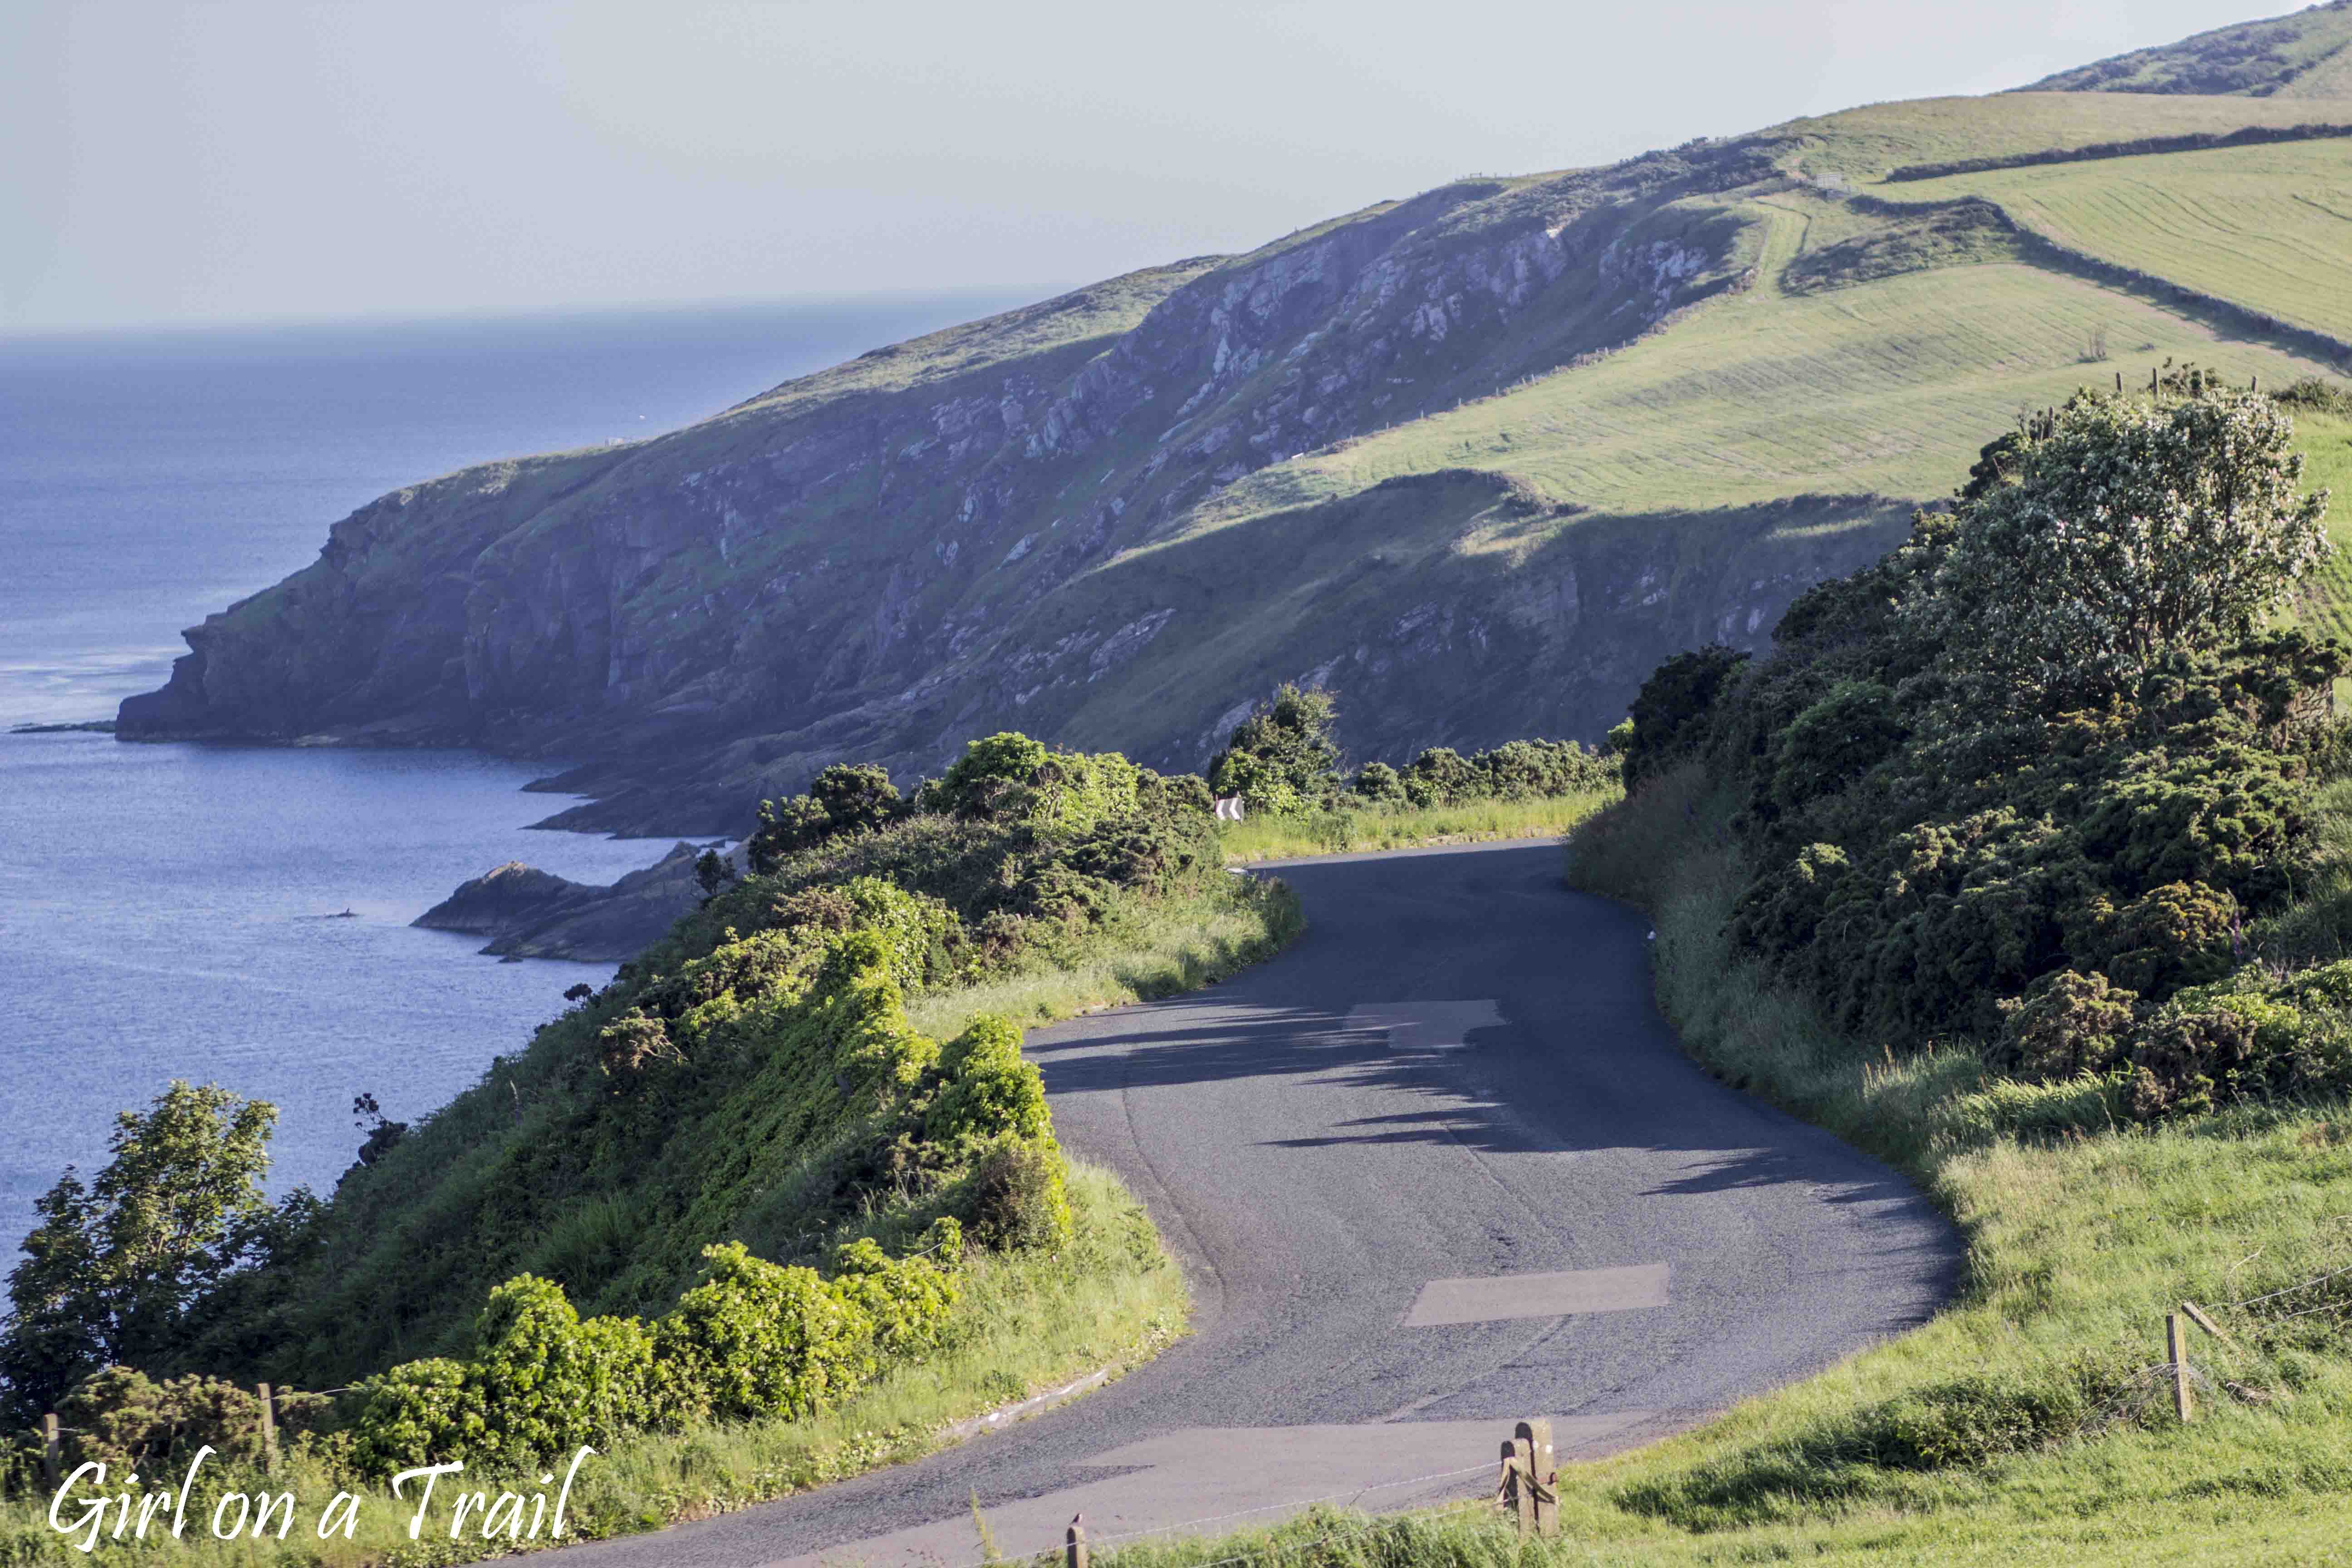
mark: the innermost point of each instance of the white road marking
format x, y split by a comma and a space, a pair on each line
1559, 1294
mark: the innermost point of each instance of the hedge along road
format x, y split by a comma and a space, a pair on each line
1438, 1167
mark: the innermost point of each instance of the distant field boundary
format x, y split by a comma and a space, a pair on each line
2038, 250
2192, 142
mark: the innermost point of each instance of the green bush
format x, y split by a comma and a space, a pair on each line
2024, 806
844, 799
2069, 1024
758, 1339
419, 1412
549, 1382
1014, 1196
1282, 758
988, 1088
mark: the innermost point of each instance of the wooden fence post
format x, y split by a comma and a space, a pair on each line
268, 1430
1517, 1492
50, 1459
1543, 1475
2197, 1315
1074, 1550
2175, 1349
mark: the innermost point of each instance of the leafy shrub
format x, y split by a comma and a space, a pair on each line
1282, 758
549, 1382
1010, 778
2130, 530
2069, 1024
1014, 1196
418, 1413
988, 1089
1670, 712
121, 1418
1441, 776
2183, 933
758, 1339
844, 799
1835, 742
2030, 779
1378, 784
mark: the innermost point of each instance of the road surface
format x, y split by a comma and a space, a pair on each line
1439, 1167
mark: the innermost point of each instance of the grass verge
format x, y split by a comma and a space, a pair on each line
1173, 947
1377, 827
2078, 1245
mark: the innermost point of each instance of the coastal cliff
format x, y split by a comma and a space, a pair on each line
1478, 459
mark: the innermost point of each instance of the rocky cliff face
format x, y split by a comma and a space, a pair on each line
1031, 521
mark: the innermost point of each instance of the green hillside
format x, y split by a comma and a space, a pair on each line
2266, 227
1479, 459
2304, 55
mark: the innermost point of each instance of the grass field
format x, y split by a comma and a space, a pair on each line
2326, 443
2076, 1246
1887, 387
2269, 229
1862, 144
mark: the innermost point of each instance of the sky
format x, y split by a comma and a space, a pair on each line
185, 163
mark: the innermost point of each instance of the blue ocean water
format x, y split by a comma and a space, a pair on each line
164, 909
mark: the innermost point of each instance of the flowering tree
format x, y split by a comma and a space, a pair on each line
2130, 531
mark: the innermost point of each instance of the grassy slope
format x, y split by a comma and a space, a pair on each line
1028, 1323
2289, 55
2267, 227
1879, 387
2326, 443
2077, 1246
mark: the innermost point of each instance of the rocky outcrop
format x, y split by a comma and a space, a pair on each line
530, 913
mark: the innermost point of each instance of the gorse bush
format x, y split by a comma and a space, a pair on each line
2035, 778
1284, 760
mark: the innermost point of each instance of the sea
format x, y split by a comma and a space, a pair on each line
239, 915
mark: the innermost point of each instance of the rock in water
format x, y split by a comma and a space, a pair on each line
529, 914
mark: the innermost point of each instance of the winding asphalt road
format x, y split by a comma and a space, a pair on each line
1440, 1166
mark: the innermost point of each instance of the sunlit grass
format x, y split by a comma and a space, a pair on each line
1357, 828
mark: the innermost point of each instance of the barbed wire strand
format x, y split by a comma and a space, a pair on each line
2291, 1289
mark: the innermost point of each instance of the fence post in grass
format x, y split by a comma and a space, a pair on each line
1543, 1474
1517, 1494
1074, 1548
2175, 1349
268, 1430
50, 1458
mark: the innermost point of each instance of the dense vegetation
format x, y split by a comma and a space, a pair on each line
741, 1159
2038, 777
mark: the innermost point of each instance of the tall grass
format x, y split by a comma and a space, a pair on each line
2077, 1246
1176, 945
1357, 828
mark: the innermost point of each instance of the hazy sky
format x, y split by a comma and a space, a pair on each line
163, 162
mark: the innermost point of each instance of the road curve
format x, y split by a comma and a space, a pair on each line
1439, 1167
